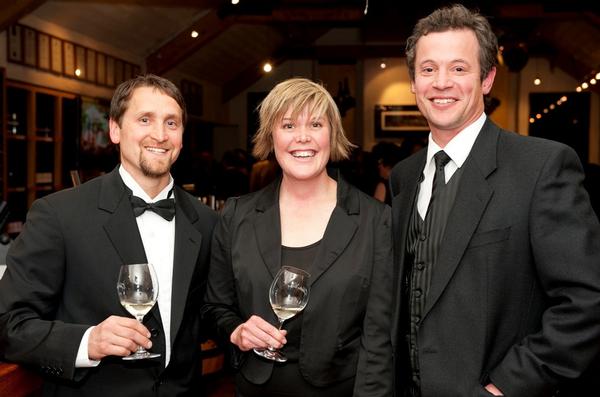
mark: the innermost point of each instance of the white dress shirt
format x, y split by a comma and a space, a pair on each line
158, 238
457, 149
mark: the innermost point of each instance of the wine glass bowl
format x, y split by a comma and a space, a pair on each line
288, 296
137, 288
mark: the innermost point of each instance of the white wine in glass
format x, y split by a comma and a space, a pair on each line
138, 290
288, 296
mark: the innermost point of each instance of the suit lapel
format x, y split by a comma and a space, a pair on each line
123, 232
340, 229
121, 227
267, 228
188, 241
474, 193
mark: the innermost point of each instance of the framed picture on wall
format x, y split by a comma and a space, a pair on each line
30, 47
56, 55
399, 121
403, 120
15, 44
44, 51
110, 71
118, 71
97, 154
80, 62
69, 55
90, 64
101, 72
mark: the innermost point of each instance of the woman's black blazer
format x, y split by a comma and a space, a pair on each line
346, 324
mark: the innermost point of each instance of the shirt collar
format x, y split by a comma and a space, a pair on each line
460, 146
137, 190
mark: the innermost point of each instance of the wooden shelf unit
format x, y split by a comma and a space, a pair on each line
33, 132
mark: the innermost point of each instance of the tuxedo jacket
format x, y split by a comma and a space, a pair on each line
515, 293
61, 279
346, 323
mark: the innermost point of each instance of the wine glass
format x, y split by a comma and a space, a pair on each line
288, 296
138, 289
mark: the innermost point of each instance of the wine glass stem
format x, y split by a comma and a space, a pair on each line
271, 348
140, 348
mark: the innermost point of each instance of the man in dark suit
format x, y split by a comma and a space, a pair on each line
59, 309
497, 246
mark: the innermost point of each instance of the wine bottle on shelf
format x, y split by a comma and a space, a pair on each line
13, 124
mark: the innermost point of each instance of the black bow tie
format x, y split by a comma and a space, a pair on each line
164, 208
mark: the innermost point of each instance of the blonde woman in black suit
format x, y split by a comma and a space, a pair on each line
312, 219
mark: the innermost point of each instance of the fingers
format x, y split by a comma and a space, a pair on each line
117, 336
257, 332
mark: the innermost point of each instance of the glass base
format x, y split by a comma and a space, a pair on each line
141, 355
271, 354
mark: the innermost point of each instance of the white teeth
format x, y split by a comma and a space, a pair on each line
444, 100
303, 153
156, 150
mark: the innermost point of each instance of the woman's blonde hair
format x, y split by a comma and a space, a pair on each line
297, 94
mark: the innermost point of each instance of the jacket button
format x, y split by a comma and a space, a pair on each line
154, 332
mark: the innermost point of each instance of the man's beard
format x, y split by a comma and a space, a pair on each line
153, 170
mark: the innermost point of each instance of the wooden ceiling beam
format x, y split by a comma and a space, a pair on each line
253, 73
342, 54
12, 11
575, 69
538, 11
212, 24
249, 76
304, 15
355, 52
200, 4
183, 45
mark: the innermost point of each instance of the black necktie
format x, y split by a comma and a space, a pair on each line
439, 178
164, 208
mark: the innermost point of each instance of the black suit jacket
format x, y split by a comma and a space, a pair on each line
61, 279
515, 295
345, 326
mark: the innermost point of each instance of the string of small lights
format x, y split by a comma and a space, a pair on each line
591, 79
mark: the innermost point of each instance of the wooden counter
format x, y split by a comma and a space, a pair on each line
16, 381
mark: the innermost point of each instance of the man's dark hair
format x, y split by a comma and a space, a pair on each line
122, 95
456, 17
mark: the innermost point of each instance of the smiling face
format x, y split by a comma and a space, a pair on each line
302, 145
150, 135
447, 86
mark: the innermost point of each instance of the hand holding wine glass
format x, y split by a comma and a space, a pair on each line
288, 296
137, 287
